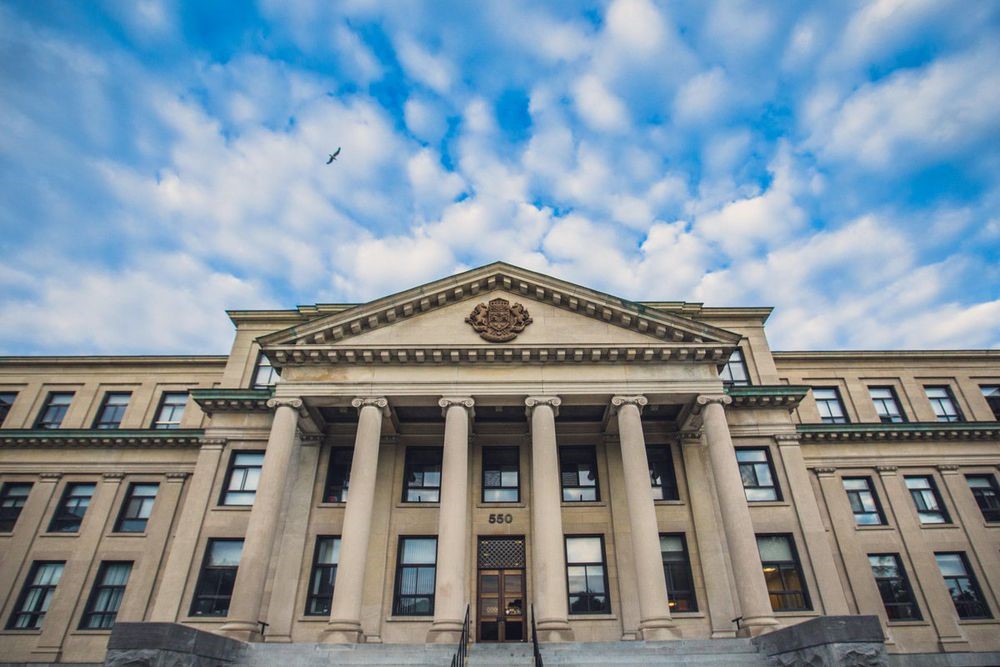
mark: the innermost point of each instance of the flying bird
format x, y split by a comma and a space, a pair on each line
333, 156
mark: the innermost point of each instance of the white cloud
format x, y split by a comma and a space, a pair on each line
433, 187
426, 119
599, 107
433, 70
703, 98
637, 24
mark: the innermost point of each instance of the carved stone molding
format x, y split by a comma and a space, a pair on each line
310, 439
114, 476
389, 440
531, 402
786, 439
177, 476
284, 402
379, 402
824, 472
948, 469
51, 476
887, 470
212, 443
691, 438
721, 399
638, 401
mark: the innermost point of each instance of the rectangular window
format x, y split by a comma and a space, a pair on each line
112, 410
759, 482
886, 405
864, 502
578, 473
990, 392
137, 508
831, 408
323, 576
171, 410
36, 596
785, 584
13, 495
264, 374
338, 475
943, 404
244, 474
962, 584
586, 575
415, 575
501, 475
422, 475
661, 472
987, 495
927, 499
106, 598
894, 587
734, 373
218, 574
72, 507
56, 406
6, 402
677, 572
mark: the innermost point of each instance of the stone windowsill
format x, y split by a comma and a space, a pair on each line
768, 503
113, 533
669, 503
76, 534
939, 526
332, 505
401, 505
93, 632
584, 503
20, 633
485, 506
232, 508
978, 621
875, 527
410, 619
797, 614
593, 617
212, 620
908, 624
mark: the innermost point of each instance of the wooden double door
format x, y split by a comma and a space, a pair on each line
501, 600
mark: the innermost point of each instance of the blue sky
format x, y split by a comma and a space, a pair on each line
163, 161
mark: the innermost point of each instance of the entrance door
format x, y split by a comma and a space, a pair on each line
501, 594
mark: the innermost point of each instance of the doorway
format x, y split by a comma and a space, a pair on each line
501, 590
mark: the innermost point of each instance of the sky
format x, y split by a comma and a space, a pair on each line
162, 161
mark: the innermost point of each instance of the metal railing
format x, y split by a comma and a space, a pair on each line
458, 660
534, 639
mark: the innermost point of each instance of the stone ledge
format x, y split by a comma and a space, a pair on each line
827, 640
173, 644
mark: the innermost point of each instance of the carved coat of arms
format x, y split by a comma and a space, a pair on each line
500, 321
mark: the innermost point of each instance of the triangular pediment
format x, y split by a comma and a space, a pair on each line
430, 322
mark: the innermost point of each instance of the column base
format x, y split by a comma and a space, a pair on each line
242, 630
553, 630
658, 629
343, 632
755, 627
445, 632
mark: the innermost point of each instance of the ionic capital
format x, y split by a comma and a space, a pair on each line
379, 402
721, 399
531, 402
284, 402
638, 401
456, 402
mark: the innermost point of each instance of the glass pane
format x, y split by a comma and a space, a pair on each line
419, 551
774, 548
488, 583
950, 564
328, 551
500, 495
583, 550
577, 579
761, 494
671, 543
225, 553
750, 455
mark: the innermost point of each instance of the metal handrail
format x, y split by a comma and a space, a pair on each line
534, 639
458, 660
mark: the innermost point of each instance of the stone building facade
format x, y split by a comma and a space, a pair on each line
509, 443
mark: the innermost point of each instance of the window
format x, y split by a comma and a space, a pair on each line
323, 577
864, 502
943, 403
415, 574
962, 584
586, 576
785, 584
72, 507
578, 473
137, 508
991, 392
734, 373
501, 475
757, 474
218, 574
984, 489
886, 405
925, 495
36, 595
661, 473
171, 410
244, 474
12, 499
106, 598
112, 410
894, 587
677, 572
422, 475
56, 406
264, 374
6, 401
338, 475
831, 409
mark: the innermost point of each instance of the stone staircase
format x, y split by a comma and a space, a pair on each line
721, 652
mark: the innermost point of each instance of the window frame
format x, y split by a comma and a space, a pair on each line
933, 489
973, 582
778, 497
343, 486
199, 594
42, 601
980, 502
660, 491
585, 564
899, 417
109, 425
408, 464
61, 515
7, 399
944, 418
397, 596
130, 496
486, 450
11, 512
904, 579
992, 399
117, 592
234, 467
879, 512
596, 486
161, 424
46, 424
726, 373
837, 400
692, 595
321, 569
273, 375
782, 566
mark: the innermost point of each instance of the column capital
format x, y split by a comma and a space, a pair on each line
291, 402
948, 469
51, 476
619, 400
886, 470
721, 399
825, 472
379, 402
177, 476
466, 402
531, 402
785, 439
113, 476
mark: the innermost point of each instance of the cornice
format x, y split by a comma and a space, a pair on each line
101, 438
123, 360
232, 400
896, 355
783, 396
909, 431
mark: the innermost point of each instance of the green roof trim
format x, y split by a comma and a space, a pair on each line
232, 394
112, 433
769, 390
904, 431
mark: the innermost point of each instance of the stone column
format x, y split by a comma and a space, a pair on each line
344, 626
450, 594
751, 589
548, 551
970, 517
654, 612
248, 591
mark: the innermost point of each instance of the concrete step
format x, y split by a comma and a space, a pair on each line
326, 655
722, 652
501, 655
